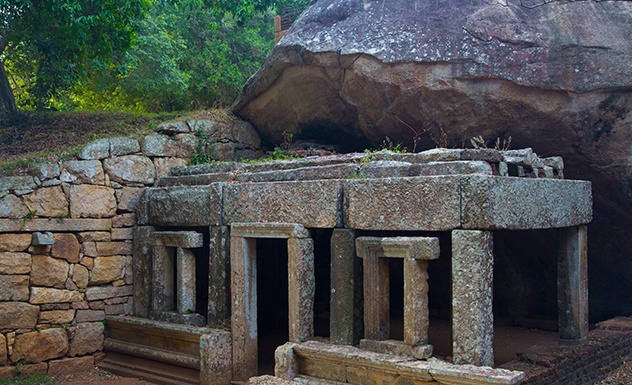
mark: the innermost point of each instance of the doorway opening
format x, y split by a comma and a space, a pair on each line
272, 300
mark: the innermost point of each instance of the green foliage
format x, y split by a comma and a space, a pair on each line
204, 150
48, 46
32, 379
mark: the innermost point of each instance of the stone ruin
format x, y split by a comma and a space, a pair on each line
180, 267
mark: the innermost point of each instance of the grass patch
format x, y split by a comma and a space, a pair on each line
31, 379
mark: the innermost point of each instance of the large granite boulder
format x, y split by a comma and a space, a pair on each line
556, 77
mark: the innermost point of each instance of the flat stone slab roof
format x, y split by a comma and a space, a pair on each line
435, 190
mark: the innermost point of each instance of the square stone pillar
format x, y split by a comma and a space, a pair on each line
301, 288
219, 276
416, 314
572, 284
472, 282
376, 294
163, 270
346, 308
186, 281
243, 259
142, 268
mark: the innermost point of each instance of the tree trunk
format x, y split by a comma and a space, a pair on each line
7, 101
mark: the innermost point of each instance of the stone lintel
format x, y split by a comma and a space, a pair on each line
398, 348
268, 230
398, 247
495, 203
184, 239
54, 224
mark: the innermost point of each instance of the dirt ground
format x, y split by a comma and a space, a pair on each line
98, 377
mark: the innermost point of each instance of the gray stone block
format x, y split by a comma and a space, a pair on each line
186, 239
185, 206
123, 146
419, 203
523, 203
215, 358
42, 238
311, 203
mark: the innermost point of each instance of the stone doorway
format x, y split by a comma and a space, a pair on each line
246, 291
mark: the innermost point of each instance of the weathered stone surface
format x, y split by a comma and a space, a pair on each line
18, 315
159, 145
122, 234
47, 271
175, 127
98, 149
311, 203
130, 169
57, 224
215, 358
385, 204
3, 350
44, 171
163, 166
42, 238
192, 206
87, 338
57, 317
475, 76
90, 315
113, 248
107, 269
12, 207
40, 295
536, 204
124, 220
70, 365
97, 293
14, 242
17, 183
121, 145
15, 263
94, 236
66, 247
186, 239
425, 248
14, 287
40, 346
48, 202
88, 201
472, 277
80, 276
82, 171
142, 254
128, 198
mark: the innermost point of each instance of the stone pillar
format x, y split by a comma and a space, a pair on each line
244, 307
301, 288
345, 320
376, 295
416, 314
219, 276
472, 281
141, 263
215, 358
572, 283
185, 302
163, 273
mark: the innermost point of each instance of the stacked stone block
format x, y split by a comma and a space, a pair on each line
66, 233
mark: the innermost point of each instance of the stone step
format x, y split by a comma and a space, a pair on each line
150, 370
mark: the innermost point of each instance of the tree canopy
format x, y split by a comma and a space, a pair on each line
51, 42
147, 55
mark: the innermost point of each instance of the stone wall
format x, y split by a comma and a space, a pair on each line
66, 241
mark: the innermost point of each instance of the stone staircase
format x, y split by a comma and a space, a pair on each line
160, 352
